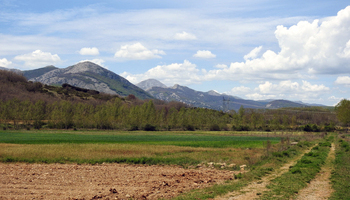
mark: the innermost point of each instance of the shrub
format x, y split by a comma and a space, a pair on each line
214, 127
189, 127
149, 127
37, 124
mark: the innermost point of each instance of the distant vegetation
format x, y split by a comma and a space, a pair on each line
28, 105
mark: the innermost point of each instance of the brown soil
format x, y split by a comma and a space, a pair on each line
254, 189
320, 187
106, 181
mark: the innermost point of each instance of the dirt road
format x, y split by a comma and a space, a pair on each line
320, 187
106, 181
258, 187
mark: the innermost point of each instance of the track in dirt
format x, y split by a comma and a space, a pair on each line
320, 187
254, 188
106, 181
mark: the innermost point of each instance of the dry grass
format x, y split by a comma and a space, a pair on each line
102, 151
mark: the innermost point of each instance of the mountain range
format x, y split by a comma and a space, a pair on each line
94, 77
210, 99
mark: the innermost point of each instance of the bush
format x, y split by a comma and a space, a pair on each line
214, 127
241, 128
37, 124
189, 127
149, 127
133, 128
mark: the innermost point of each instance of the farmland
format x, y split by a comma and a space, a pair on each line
163, 156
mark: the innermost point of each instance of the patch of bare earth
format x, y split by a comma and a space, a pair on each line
254, 189
106, 181
320, 187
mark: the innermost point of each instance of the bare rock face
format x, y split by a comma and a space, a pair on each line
149, 84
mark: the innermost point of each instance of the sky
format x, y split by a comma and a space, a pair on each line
254, 49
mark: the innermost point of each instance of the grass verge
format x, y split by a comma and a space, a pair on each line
267, 165
340, 176
288, 185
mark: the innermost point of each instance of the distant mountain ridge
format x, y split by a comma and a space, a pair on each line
29, 74
210, 99
90, 76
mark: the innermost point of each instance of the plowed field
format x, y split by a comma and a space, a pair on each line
105, 181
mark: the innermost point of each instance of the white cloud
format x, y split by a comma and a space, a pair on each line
308, 87
319, 47
185, 36
343, 80
4, 62
175, 73
220, 66
38, 59
290, 87
253, 54
288, 90
204, 54
257, 96
240, 90
89, 51
96, 61
333, 98
138, 52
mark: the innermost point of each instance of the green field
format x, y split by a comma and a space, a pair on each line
184, 148
196, 140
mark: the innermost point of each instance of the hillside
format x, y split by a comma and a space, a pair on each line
29, 74
283, 104
15, 86
211, 99
92, 76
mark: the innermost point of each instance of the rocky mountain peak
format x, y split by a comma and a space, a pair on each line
214, 93
176, 86
149, 84
84, 67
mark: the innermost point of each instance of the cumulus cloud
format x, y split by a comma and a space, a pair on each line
253, 54
38, 58
220, 66
4, 62
96, 61
343, 80
89, 51
240, 90
180, 73
204, 54
288, 89
318, 47
185, 36
138, 52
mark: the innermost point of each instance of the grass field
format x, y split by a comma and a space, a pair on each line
133, 147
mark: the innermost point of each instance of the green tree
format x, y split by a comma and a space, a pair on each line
343, 111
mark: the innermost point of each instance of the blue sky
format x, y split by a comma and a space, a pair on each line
262, 49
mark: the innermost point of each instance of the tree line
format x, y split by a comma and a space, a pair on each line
121, 114
28, 105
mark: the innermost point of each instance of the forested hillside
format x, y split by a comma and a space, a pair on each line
28, 105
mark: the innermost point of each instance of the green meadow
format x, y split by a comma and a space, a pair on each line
184, 148
190, 140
